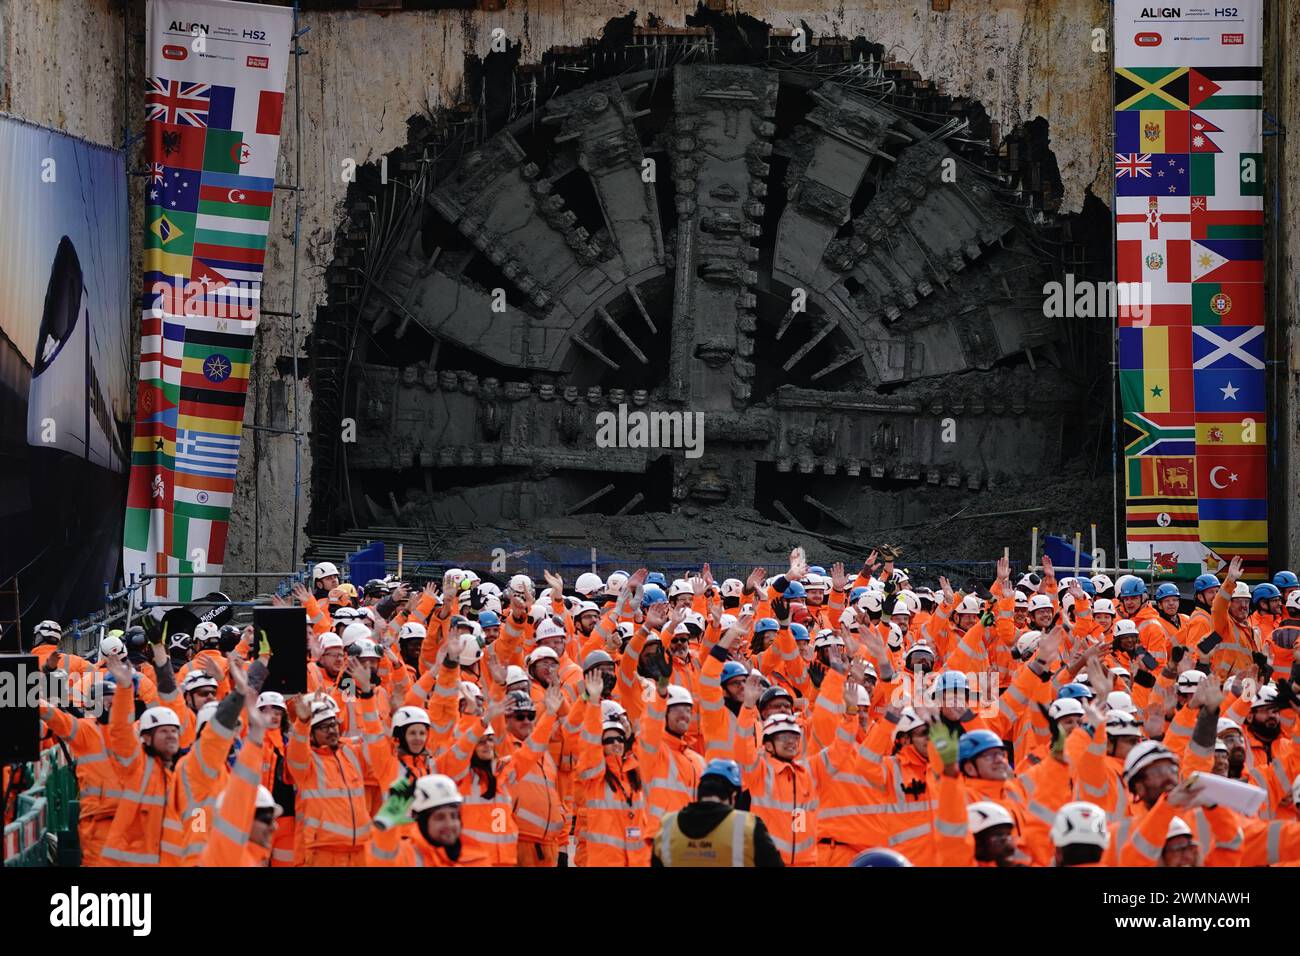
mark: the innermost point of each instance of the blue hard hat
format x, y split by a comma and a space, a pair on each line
766, 624
1264, 591
1076, 691
951, 680
1168, 589
976, 742
653, 595
1204, 582
656, 578
1133, 587
733, 669
817, 569
880, 857
488, 619
857, 593
800, 632
729, 770
794, 591
1285, 579
1089, 588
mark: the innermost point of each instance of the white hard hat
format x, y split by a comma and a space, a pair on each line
869, 670
895, 639
206, 631
271, 698
112, 647
470, 653
489, 589
156, 717
1118, 700
470, 689
323, 709
1220, 746
265, 800
870, 601
589, 584
1103, 606
1144, 755
540, 654
329, 642
727, 621
356, 631
1081, 823
548, 629
48, 629
985, 814
1226, 724
680, 586
1189, 679
1022, 599
614, 583
920, 645
1065, 707
345, 615
1118, 671
1266, 697
1121, 723
1242, 590
828, 638
196, 680
1027, 643
517, 675
491, 603
366, 648
406, 716
626, 629
546, 597
203, 715
585, 606
908, 721
323, 570
1125, 626
849, 618
734, 587
900, 607
678, 694
816, 581
521, 583
1101, 582
864, 697
681, 629
610, 709
1029, 580
1040, 602
411, 630
435, 790
613, 724
781, 724
970, 604
1178, 827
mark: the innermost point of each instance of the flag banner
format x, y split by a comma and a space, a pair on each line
213, 98
1189, 224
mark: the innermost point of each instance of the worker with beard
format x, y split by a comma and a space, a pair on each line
1272, 759
1160, 633
1233, 644
1273, 842
433, 804
986, 774
710, 831
670, 768
1266, 605
470, 760
1233, 737
1282, 642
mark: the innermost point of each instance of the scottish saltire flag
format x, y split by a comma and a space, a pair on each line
212, 129
1189, 226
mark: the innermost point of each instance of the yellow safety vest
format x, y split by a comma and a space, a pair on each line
730, 843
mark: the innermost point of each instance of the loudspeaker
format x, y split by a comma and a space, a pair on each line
20, 719
286, 630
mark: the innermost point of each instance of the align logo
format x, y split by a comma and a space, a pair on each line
76, 909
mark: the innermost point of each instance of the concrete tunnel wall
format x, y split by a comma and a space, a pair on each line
367, 73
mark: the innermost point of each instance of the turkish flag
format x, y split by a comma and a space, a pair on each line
1223, 476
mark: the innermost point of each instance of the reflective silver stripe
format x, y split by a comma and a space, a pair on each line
1280, 770
95, 757
591, 738
853, 810
737, 839
1040, 811
1144, 846
1274, 841
1092, 791
611, 805
912, 833
478, 836
384, 854
785, 846
246, 773
230, 831
1182, 730
617, 842
315, 794
126, 856
956, 830
280, 853
523, 813
357, 833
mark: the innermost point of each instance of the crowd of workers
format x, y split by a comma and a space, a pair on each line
808, 718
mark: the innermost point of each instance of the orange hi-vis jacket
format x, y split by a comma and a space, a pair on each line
97, 782
902, 805
196, 664
533, 779
1196, 626
1271, 766
1049, 785
228, 841
1265, 623
146, 828
1099, 777
726, 736
199, 776
487, 822
1270, 842
275, 778
671, 769
1010, 794
1153, 632
1240, 642
783, 794
318, 615
970, 651
1281, 658
73, 664
954, 844
405, 847
331, 804
1140, 839
614, 828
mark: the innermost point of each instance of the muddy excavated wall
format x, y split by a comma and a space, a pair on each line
61, 65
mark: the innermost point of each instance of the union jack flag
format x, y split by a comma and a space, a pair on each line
1132, 164
177, 103
156, 174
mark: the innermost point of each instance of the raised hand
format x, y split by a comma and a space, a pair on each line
1004, 568
300, 593
656, 615
698, 585
755, 580
946, 586
554, 696
839, 580
494, 710
497, 671
637, 578
300, 707
594, 683
555, 582
359, 672
1048, 570
872, 562
707, 575
1208, 695
753, 690
798, 565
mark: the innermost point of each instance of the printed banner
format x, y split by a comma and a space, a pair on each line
1189, 221
213, 99
65, 373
